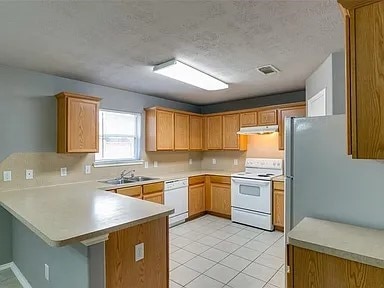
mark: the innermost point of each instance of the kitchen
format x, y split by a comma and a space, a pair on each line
205, 158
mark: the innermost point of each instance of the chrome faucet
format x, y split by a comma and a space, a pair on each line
124, 173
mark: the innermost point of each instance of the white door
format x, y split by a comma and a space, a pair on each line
255, 195
317, 105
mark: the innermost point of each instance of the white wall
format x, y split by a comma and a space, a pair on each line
330, 75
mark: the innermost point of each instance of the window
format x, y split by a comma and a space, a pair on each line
119, 137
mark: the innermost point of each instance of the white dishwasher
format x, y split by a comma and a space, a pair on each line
176, 197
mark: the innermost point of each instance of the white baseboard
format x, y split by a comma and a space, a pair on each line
23, 281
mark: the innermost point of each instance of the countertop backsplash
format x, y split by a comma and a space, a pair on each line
46, 166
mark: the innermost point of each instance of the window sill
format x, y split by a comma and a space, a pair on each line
102, 164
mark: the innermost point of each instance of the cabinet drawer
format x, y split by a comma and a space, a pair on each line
130, 191
152, 188
278, 185
220, 179
196, 180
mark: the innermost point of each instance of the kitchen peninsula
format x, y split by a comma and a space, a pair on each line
74, 221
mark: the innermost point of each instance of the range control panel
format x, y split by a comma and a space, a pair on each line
264, 163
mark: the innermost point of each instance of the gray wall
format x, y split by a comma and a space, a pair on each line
255, 102
5, 237
330, 75
28, 107
68, 265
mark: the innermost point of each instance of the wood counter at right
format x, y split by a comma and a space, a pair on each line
323, 254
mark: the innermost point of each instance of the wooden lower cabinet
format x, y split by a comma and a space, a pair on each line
196, 199
122, 271
155, 197
218, 195
310, 269
278, 205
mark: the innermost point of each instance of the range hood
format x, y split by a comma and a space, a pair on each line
258, 130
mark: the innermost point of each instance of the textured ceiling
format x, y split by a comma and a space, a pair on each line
116, 43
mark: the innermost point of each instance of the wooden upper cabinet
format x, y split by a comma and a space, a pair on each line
160, 129
214, 132
248, 119
77, 123
181, 131
299, 111
364, 22
196, 132
231, 140
267, 117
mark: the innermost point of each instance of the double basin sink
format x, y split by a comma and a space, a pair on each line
135, 179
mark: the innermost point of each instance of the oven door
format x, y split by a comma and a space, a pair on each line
255, 195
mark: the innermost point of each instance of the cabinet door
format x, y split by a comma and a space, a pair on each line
181, 131
196, 201
195, 132
165, 130
221, 198
318, 270
155, 197
288, 112
231, 125
367, 105
214, 132
267, 117
278, 208
248, 119
82, 126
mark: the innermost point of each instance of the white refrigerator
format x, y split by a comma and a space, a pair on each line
323, 182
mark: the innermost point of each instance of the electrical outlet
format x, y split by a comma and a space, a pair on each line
46, 272
213, 161
139, 252
146, 164
87, 169
155, 164
190, 161
236, 162
63, 172
29, 174
7, 176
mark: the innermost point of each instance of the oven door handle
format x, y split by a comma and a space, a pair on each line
250, 182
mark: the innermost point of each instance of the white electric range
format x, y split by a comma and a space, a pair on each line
252, 192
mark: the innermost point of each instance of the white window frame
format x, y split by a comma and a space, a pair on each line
121, 162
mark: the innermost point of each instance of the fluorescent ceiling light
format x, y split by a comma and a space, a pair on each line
184, 73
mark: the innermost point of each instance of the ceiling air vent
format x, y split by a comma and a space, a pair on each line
268, 69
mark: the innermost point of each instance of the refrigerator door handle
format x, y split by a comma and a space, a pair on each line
289, 177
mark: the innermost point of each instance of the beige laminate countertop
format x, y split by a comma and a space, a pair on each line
65, 214
279, 178
349, 242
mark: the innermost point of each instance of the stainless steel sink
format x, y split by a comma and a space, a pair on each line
120, 181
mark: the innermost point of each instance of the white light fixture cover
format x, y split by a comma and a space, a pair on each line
187, 74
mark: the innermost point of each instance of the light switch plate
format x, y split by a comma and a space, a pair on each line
190, 161
155, 164
139, 252
87, 169
7, 176
29, 174
213, 161
235, 162
146, 164
63, 172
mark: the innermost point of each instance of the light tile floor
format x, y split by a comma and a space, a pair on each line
212, 252
8, 279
